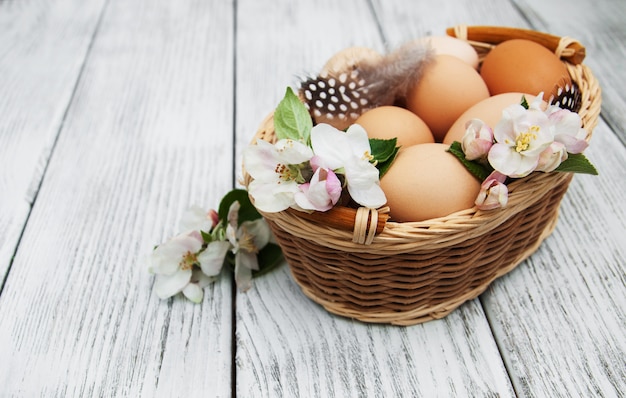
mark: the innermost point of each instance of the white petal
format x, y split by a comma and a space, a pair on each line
504, 159
505, 130
293, 152
369, 196
260, 230
198, 277
364, 185
526, 166
358, 141
162, 265
195, 219
260, 160
247, 260
212, 258
166, 257
272, 198
169, 285
329, 144
233, 213
193, 292
243, 274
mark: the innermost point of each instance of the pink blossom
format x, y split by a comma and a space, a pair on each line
321, 193
567, 129
477, 140
493, 192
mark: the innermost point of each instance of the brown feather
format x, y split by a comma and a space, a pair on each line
339, 97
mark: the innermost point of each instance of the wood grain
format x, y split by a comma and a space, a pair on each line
42, 50
559, 317
289, 346
115, 116
143, 140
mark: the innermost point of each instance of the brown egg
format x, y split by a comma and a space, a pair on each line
523, 66
387, 122
488, 110
452, 46
425, 181
447, 88
349, 59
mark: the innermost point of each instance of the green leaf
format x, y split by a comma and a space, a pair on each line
270, 257
383, 167
382, 150
524, 102
577, 163
247, 211
292, 119
478, 170
207, 238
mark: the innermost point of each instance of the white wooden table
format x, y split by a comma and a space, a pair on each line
115, 116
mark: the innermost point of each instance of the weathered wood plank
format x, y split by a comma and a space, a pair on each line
42, 49
144, 138
286, 344
289, 346
402, 21
560, 316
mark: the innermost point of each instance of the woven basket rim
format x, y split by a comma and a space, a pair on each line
521, 191
413, 272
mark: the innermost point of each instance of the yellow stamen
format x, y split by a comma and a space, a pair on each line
246, 242
524, 139
286, 172
189, 259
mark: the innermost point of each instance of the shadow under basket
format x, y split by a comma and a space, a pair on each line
357, 264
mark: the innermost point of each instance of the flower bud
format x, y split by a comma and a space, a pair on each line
477, 140
493, 192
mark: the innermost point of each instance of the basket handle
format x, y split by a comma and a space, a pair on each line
564, 47
364, 222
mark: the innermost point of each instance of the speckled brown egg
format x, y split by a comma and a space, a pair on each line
425, 181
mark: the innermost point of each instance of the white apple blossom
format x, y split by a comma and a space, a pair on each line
246, 241
521, 136
276, 172
173, 263
349, 153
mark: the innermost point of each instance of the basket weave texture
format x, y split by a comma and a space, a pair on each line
414, 272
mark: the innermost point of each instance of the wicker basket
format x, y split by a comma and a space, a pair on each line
357, 264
